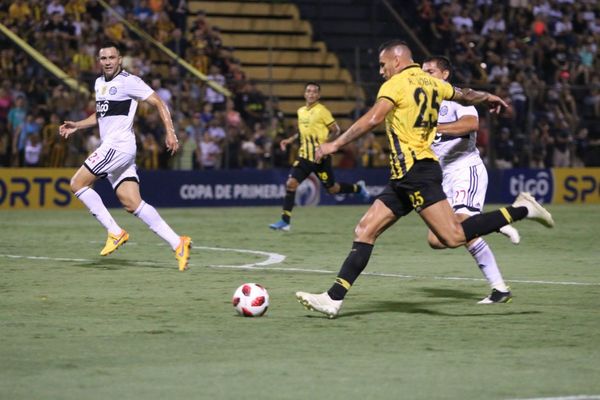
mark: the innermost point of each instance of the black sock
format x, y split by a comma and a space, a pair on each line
288, 205
482, 224
354, 264
348, 187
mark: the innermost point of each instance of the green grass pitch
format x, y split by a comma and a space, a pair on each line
74, 325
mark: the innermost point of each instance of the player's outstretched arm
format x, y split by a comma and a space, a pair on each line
470, 97
462, 126
369, 121
70, 127
283, 144
171, 140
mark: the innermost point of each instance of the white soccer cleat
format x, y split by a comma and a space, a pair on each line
512, 233
535, 211
320, 302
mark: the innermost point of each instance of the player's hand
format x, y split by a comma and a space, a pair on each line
172, 143
324, 150
67, 129
495, 104
283, 144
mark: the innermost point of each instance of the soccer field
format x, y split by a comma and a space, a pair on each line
75, 325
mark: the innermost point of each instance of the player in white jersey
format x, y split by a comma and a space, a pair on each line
465, 178
117, 96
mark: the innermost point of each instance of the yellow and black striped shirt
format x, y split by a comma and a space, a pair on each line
313, 125
411, 125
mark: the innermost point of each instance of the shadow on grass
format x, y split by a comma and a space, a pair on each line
428, 308
451, 293
113, 264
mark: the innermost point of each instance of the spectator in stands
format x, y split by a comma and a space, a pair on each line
249, 152
494, 24
16, 119
188, 151
212, 96
142, 12
210, 153
232, 117
5, 104
178, 44
19, 12
216, 130
505, 150
33, 151
581, 145
251, 102
198, 59
55, 7
163, 27
75, 9
178, 12
561, 157
540, 136
371, 152
163, 92
31, 126
462, 21
50, 137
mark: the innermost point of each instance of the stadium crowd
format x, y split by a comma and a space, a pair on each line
541, 56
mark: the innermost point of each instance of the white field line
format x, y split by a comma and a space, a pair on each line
577, 397
275, 258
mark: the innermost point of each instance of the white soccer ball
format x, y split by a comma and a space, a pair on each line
251, 300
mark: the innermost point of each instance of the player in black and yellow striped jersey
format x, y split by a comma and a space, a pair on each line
316, 126
409, 102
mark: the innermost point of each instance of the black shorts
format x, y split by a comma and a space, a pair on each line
418, 189
302, 168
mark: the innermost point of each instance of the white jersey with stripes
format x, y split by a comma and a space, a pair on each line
116, 104
455, 152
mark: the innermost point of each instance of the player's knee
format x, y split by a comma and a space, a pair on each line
75, 185
333, 189
129, 205
129, 208
291, 185
434, 242
455, 237
363, 233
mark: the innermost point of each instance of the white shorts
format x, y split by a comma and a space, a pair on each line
109, 163
465, 188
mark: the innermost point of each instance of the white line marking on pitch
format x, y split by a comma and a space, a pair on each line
577, 397
275, 258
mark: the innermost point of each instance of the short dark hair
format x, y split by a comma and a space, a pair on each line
391, 44
106, 45
442, 62
313, 84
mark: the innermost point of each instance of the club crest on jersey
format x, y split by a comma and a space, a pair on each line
444, 110
103, 90
102, 108
112, 90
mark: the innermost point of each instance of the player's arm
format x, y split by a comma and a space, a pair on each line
283, 144
70, 127
171, 140
334, 131
460, 127
369, 121
470, 97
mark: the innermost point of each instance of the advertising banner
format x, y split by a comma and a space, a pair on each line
31, 188
35, 188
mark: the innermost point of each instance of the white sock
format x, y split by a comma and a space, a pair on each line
486, 261
150, 216
93, 202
